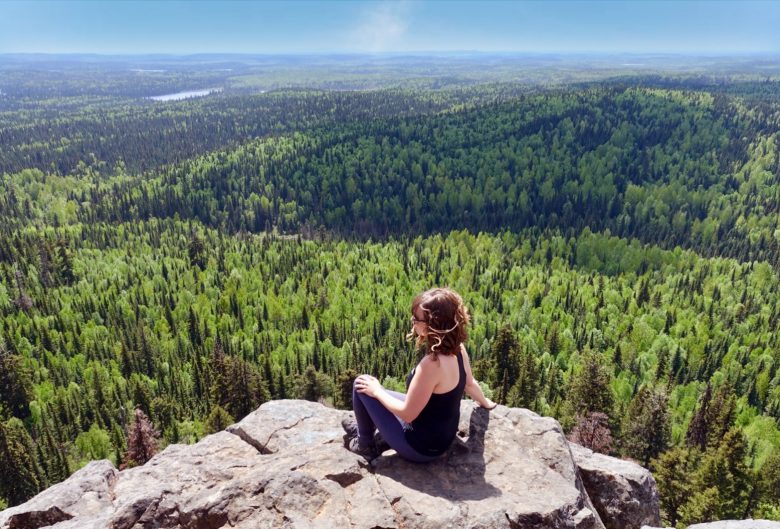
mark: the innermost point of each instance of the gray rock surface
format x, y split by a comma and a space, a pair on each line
84, 495
285, 466
624, 493
737, 524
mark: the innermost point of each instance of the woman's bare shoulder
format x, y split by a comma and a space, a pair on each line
428, 362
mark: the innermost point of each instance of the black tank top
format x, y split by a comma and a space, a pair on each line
432, 432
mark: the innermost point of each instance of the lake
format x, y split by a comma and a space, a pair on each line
185, 95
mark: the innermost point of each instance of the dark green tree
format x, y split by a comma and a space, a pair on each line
64, 263
218, 420
721, 414
343, 395
646, 430
312, 385
525, 390
673, 472
15, 384
197, 251
246, 389
589, 389
722, 483
21, 478
506, 362
698, 428
769, 481
219, 374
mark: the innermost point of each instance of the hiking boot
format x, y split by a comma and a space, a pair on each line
368, 450
350, 426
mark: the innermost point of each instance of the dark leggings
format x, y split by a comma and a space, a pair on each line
370, 415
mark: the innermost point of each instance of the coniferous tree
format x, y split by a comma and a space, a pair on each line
15, 384
268, 376
194, 328
312, 385
141, 394
344, 389
592, 432
64, 265
590, 389
769, 482
554, 341
197, 251
246, 390
506, 365
721, 414
617, 358
673, 473
702, 506
21, 478
145, 353
127, 361
44, 265
141, 441
646, 429
23, 301
218, 420
219, 374
698, 428
525, 390
722, 483
55, 460
164, 412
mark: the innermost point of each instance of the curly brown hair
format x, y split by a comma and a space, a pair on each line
447, 319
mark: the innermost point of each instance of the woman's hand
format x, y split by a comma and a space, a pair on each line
489, 404
368, 385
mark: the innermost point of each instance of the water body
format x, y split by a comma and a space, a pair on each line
178, 96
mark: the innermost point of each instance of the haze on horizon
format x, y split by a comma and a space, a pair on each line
307, 26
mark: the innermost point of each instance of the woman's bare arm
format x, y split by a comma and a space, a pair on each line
420, 391
473, 389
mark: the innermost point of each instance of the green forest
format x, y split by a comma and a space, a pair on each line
616, 239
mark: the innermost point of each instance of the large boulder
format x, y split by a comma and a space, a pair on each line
624, 493
284, 465
84, 495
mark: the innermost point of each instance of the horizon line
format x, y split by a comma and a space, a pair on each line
680, 53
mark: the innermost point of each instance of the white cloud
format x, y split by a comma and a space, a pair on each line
382, 27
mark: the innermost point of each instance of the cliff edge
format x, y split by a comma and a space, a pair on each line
285, 465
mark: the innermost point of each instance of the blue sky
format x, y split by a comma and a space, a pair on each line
303, 26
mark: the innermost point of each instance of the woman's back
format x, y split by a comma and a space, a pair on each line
432, 432
449, 372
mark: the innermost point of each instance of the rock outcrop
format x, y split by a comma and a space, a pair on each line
284, 465
85, 495
624, 493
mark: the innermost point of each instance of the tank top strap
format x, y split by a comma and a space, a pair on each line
461, 367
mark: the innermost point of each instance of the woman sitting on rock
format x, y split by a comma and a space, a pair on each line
421, 424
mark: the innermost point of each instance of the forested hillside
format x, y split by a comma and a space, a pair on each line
616, 241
